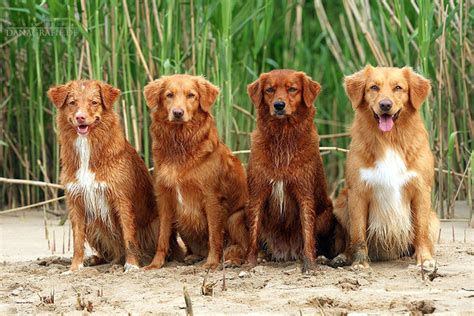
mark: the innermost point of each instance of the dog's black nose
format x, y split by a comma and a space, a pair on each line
385, 105
178, 113
279, 105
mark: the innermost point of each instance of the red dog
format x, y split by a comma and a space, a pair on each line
109, 191
289, 209
200, 185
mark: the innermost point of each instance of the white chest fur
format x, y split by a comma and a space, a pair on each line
92, 192
278, 194
389, 223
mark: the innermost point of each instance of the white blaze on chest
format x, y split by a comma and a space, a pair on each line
92, 192
179, 197
278, 193
390, 213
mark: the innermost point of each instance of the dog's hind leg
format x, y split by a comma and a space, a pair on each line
238, 234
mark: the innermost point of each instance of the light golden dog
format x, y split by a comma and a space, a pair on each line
385, 208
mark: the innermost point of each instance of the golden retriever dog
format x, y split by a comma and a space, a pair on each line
385, 208
290, 213
109, 192
200, 185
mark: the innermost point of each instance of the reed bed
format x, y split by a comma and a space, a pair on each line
128, 43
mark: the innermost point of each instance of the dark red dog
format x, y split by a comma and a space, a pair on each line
289, 209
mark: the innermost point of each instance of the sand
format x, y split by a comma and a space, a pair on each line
30, 273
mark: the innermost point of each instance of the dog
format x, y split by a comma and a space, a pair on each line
201, 186
289, 209
385, 209
109, 191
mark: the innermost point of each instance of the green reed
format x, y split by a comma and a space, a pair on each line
230, 42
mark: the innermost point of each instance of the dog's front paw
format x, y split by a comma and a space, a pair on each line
157, 263
339, 261
360, 265
428, 264
212, 265
192, 259
361, 260
322, 260
129, 267
308, 265
74, 268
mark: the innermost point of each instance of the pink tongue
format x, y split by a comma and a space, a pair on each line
385, 123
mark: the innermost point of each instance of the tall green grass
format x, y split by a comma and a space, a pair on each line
230, 42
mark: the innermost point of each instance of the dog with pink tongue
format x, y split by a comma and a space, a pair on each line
385, 210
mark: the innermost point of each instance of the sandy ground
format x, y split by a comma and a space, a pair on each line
30, 272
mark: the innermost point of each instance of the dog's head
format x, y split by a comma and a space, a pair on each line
83, 103
385, 92
282, 91
178, 98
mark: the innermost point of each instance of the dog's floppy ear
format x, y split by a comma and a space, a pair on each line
355, 86
419, 87
207, 94
108, 95
153, 92
58, 94
255, 90
311, 89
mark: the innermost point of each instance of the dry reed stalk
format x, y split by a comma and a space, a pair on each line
125, 121
86, 43
31, 182
135, 128
135, 41
157, 21
31, 205
244, 111
189, 304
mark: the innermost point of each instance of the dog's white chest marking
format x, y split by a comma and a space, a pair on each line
179, 197
92, 191
389, 226
278, 193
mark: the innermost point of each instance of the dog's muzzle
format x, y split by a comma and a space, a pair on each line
279, 107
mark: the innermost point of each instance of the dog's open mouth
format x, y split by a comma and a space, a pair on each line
386, 121
82, 129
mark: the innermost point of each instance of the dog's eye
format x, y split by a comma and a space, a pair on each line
292, 89
398, 88
191, 95
374, 87
270, 90
169, 95
94, 102
72, 102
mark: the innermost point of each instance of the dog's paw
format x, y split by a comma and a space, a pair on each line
233, 263
322, 260
157, 263
308, 265
428, 265
73, 269
360, 266
339, 261
129, 267
192, 259
211, 265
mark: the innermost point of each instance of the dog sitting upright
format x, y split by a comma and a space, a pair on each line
290, 213
109, 192
200, 185
385, 208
